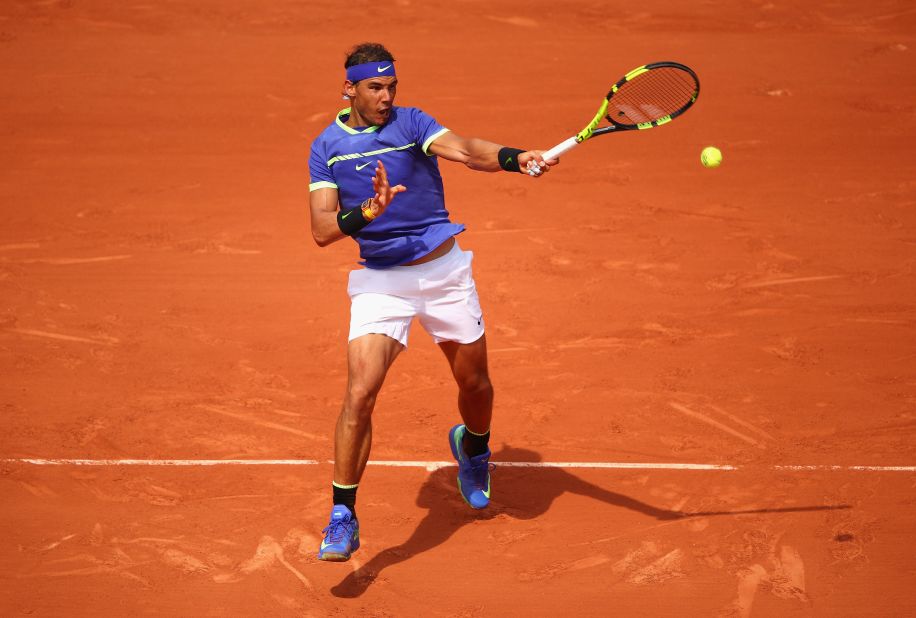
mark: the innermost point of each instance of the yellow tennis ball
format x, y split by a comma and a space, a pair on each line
711, 157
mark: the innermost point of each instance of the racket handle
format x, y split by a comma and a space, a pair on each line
563, 147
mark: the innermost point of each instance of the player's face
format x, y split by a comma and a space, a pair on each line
373, 98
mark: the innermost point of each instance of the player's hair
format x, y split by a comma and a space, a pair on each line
367, 52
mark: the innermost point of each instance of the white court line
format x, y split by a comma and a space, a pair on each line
854, 468
761, 284
165, 462
433, 465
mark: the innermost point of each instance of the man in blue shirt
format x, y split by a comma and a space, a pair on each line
414, 268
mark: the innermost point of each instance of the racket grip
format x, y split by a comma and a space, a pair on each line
561, 148
565, 146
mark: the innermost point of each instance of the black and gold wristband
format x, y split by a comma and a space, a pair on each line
352, 221
508, 158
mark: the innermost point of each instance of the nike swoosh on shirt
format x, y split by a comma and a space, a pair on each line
381, 69
359, 167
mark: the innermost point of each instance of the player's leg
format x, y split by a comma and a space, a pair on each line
469, 441
379, 324
468, 363
451, 314
368, 359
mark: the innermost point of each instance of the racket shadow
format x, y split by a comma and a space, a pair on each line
522, 493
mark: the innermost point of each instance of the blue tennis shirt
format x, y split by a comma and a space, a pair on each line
416, 222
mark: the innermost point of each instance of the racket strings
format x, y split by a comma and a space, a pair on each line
653, 95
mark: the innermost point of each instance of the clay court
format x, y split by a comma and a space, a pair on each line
705, 379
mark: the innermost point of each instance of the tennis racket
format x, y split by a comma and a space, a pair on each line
646, 97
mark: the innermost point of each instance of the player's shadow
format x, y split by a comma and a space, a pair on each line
522, 493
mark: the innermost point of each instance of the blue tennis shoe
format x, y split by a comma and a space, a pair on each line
341, 537
473, 472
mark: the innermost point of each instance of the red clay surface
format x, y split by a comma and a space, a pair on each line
160, 297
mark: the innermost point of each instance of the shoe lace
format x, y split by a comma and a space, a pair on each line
478, 472
337, 530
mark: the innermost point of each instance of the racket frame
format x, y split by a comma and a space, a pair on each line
591, 129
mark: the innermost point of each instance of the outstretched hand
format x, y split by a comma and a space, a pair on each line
384, 192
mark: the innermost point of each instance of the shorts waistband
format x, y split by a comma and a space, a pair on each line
452, 254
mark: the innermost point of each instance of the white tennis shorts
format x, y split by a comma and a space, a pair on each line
441, 293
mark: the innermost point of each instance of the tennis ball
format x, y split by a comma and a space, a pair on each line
711, 157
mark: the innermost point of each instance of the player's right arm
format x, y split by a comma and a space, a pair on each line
483, 156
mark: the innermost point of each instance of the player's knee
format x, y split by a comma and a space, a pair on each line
361, 399
475, 383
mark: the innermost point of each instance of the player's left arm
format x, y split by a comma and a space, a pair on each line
484, 156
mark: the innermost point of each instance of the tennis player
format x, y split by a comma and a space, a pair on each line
413, 268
